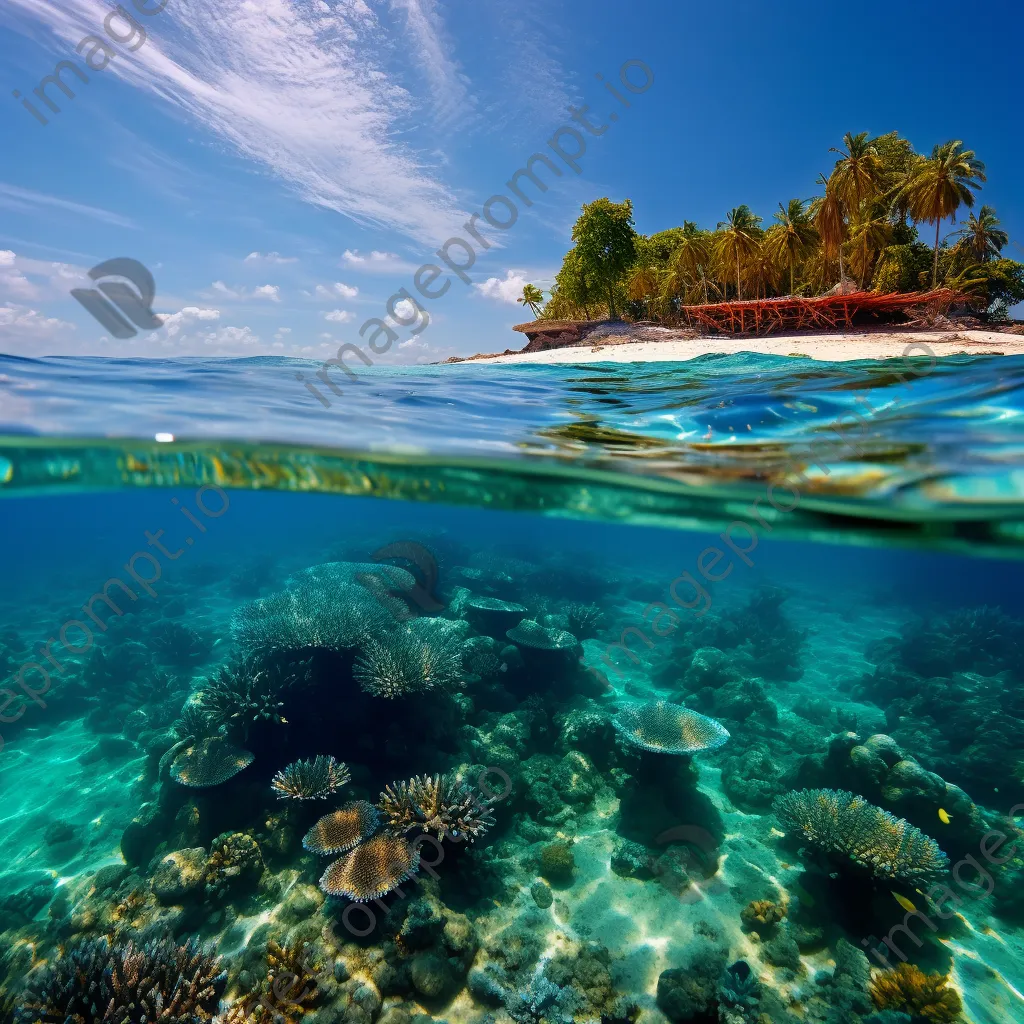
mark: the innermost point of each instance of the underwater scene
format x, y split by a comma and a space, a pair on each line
651, 694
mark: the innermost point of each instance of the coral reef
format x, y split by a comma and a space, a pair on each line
926, 997
209, 762
842, 824
341, 830
311, 779
372, 869
439, 804
403, 663
668, 728
134, 984
249, 690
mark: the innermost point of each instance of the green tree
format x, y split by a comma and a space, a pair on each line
791, 238
829, 213
606, 245
532, 296
868, 236
738, 238
573, 289
939, 185
859, 172
983, 235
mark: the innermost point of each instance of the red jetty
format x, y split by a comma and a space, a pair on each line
827, 312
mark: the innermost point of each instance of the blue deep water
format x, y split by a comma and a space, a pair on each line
653, 692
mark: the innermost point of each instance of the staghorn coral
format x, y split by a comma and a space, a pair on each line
284, 993
209, 762
100, 982
342, 829
926, 997
668, 728
585, 620
314, 779
251, 689
439, 803
402, 663
840, 823
372, 869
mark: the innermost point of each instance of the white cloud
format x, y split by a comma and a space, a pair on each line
264, 291
339, 316
25, 200
22, 330
508, 290
377, 262
296, 90
6, 258
405, 310
175, 323
352, 257
346, 291
270, 257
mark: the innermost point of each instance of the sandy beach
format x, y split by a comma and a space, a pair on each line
832, 347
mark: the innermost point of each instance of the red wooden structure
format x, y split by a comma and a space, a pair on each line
827, 312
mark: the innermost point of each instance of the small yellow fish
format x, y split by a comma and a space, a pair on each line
904, 902
943, 816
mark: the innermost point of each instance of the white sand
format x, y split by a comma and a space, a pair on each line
871, 344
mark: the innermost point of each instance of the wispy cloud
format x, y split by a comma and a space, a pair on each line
291, 86
346, 291
24, 200
270, 257
263, 291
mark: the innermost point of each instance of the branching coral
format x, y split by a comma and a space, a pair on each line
326, 607
314, 779
284, 993
584, 619
440, 804
840, 823
249, 690
402, 663
122, 983
926, 997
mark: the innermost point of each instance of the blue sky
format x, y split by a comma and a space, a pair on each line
284, 166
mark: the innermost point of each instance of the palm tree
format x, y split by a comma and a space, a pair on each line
692, 256
939, 185
858, 174
983, 234
829, 213
738, 238
532, 296
642, 283
868, 235
791, 238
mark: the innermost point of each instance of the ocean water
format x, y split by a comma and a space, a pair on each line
667, 692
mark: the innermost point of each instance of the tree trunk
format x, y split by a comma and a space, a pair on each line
791, 274
611, 302
935, 258
739, 290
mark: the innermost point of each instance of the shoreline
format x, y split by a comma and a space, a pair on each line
868, 343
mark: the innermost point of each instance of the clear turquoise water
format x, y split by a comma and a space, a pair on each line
684, 502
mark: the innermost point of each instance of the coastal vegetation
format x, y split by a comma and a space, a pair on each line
859, 233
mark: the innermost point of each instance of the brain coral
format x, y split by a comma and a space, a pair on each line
371, 870
841, 823
342, 829
669, 728
209, 762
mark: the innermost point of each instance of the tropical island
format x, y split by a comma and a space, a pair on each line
849, 258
